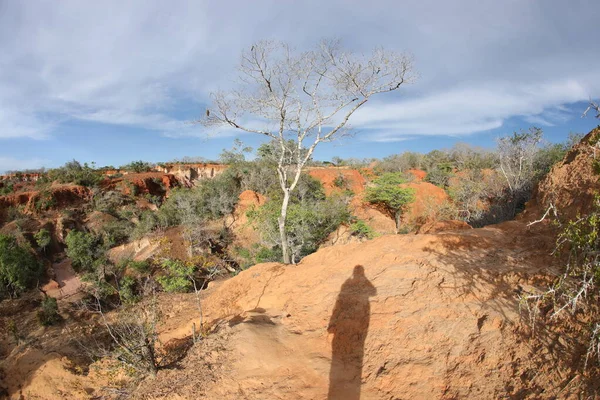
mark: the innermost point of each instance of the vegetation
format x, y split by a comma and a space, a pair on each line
178, 275
362, 230
576, 289
311, 218
137, 166
327, 84
74, 172
19, 269
85, 250
386, 191
48, 314
43, 238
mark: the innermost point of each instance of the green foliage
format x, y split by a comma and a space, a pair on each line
19, 269
43, 238
127, 292
14, 213
85, 250
74, 172
387, 193
211, 199
340, 181
178, 276
311, 217
6, 187
137, 166
141, 267
109, 201
547, 156
576, 289
44, 201
265, 254
117, 232
440, 175
362, 230
48, 315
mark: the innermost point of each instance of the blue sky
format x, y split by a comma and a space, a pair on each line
117, 81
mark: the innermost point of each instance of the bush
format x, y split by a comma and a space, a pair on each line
387, 193
44, 201
127, 290
6, 188
109, 202
19, 269
49, 315
43, 238
440, 175
177, 276
74, 172
137, 166
576, 291
85, 250
362, 230
117, 232
310, 219
340, 181
141, 267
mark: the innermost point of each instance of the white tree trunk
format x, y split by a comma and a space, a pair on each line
285, 248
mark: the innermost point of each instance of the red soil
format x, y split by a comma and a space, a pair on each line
327, 175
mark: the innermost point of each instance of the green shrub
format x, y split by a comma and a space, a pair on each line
362, 230
340, 181
74, 172
387, 193
109, 201
48, 315
43, 238
142, 267
127, 290
85, 250
117, 232
19, 269
266, 254
177, 276
311, 217
137, 166
6, 188
14, 213
439, 176
44, 201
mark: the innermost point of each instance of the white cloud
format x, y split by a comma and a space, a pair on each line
468, 110
136, 63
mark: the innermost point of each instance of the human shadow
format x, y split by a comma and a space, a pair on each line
349, 325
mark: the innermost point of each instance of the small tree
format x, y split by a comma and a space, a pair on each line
517, 155
43, 239
19, 269
302, 99
388, 193
48, 314
85, 250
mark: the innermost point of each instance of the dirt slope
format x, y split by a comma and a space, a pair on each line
410, 316
571, 184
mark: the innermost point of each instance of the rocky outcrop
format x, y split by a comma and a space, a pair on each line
338, 179
189, 173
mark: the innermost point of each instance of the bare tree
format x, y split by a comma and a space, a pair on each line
592, 106
301, 99
517, 153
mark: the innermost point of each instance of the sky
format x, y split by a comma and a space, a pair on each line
116, 81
